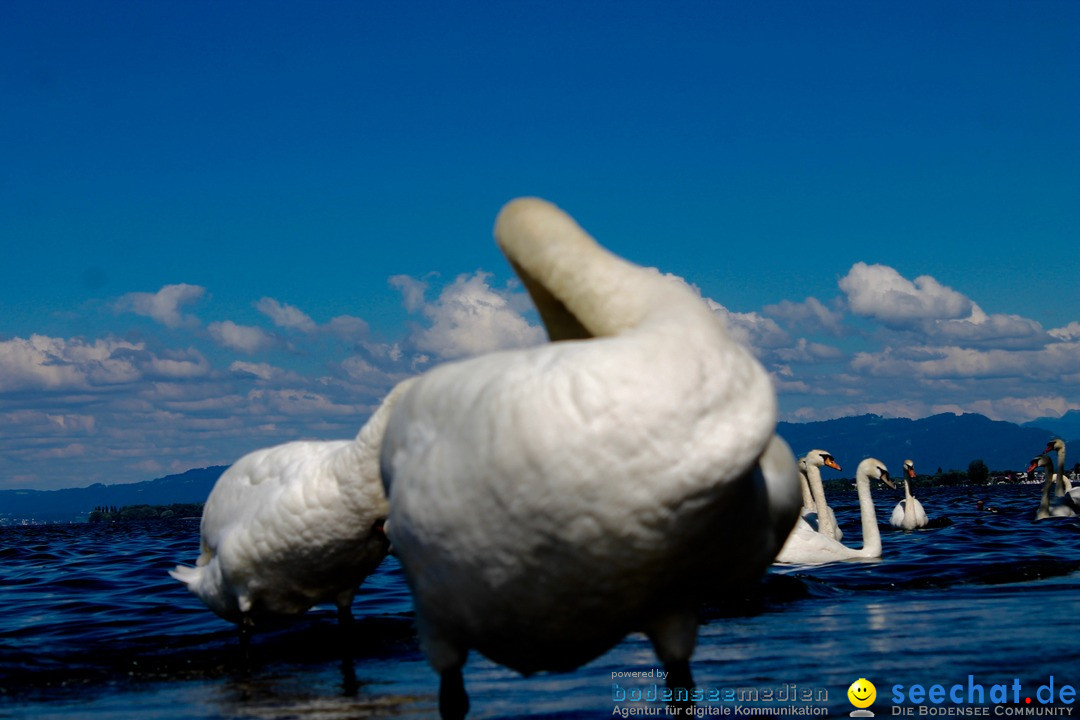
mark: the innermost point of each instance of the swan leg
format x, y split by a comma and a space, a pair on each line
453, 700
344, 609
245, 629
673, 636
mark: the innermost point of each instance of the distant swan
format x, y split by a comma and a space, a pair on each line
546, 502
821, 520
804, 546
291, 526
909, 513
1063, 488
1048, 509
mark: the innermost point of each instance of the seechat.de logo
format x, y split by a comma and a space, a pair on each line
862, 694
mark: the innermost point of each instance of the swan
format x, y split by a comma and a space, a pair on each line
294, 525
804, 546
1063, 487
1048, 509
547, 501
908, 513
819, 515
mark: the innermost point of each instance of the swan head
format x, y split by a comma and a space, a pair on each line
873, 469
1055, 445
821, 458
1038, 460
909, 469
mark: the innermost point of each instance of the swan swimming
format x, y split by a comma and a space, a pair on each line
1048, 509
908, 513
294, 525
1063, 488
546, 502
820, 520
805, 546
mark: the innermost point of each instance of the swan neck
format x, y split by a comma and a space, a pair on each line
824, 522
909, 506
1044, 502
580, 289
871, 535
807, 495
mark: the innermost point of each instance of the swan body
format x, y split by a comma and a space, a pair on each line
1048, 509
805, 546
546, 502
1062, 486
818, 514
294, 525
908, 513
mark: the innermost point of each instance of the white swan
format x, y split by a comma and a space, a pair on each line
804, 546
291, 526
546, 502
909, 513
1048, 509
1063, 487
819, 515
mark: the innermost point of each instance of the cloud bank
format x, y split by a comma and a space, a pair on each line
202, 390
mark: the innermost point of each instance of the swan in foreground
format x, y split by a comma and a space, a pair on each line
908, 513
291, 526
818, 514
805, 546
546, 502
1048, 508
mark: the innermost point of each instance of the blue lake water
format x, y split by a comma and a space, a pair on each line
93, 627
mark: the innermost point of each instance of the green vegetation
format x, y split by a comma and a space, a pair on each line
106, 513
978, 474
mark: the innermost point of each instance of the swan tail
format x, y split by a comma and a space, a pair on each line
190, 576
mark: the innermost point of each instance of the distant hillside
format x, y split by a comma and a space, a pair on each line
1066, 426
946, 441
75, 504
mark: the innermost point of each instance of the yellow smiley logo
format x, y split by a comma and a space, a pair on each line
862, 693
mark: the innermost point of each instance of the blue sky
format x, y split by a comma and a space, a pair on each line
228, 225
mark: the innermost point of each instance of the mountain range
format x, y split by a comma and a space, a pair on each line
945, 442
75, 504
939, 442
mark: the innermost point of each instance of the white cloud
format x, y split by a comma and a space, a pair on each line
880, 292
164, 305
1069, 332
48, 363
292, 401
1055, 361
348, 328
412, 291
262, 371
808, 352
245, 338
469, 318
285, 316
809, 316
751, 329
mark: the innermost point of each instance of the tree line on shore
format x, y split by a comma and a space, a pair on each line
111, 513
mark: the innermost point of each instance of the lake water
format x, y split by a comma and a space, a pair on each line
93, 627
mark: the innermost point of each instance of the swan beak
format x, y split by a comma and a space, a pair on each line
885, 479
910, 472
833, 464
1049, 447
1034, 464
